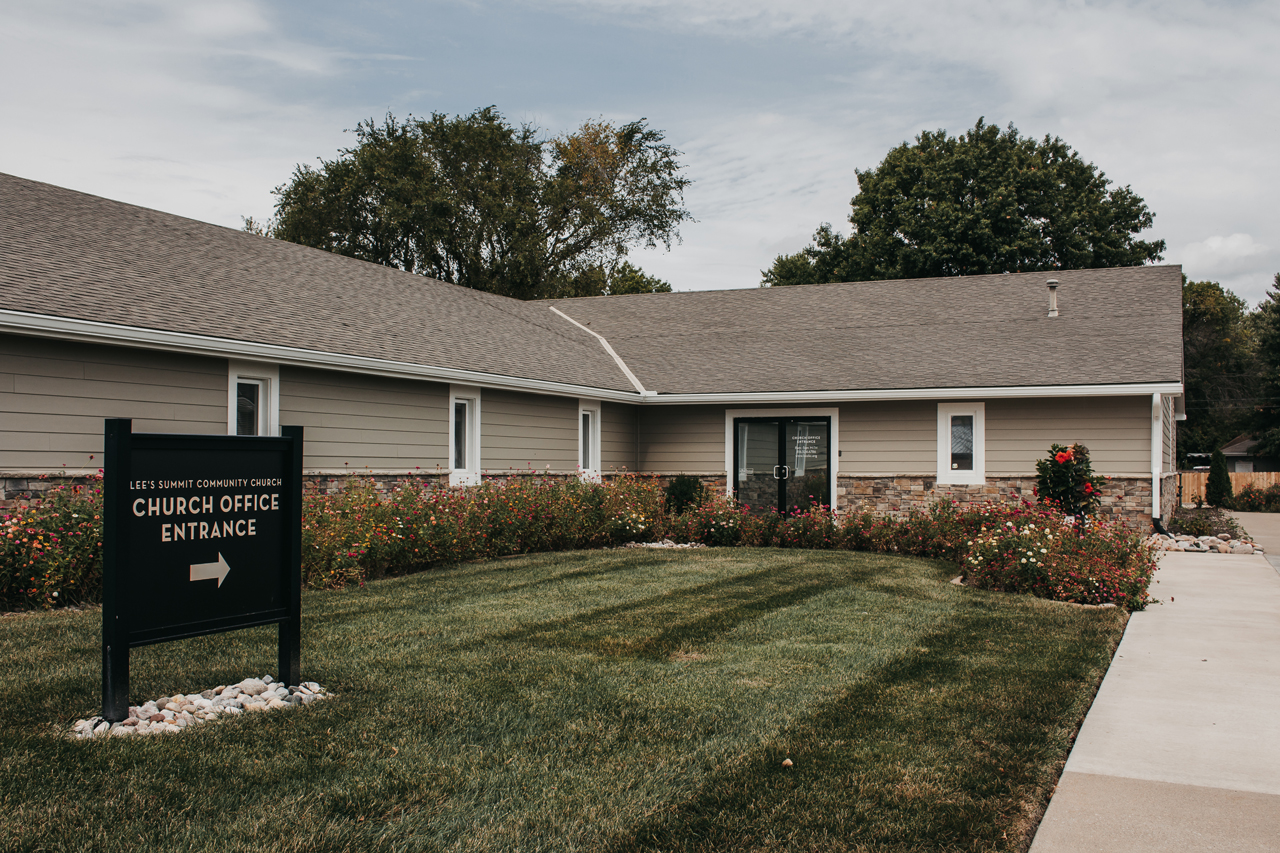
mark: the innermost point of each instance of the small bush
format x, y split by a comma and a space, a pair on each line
685, 492
1204, 521
1252, 499
1066, 480
1217, 489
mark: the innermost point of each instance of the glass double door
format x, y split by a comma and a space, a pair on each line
782, 464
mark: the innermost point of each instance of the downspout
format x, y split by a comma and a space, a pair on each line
1157, 454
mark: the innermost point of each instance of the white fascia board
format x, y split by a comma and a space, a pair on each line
89, 331
990, 393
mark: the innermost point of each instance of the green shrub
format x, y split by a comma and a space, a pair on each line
685, 492
1204, 521
1066, 480
1252, 499
51, 551
1217, 490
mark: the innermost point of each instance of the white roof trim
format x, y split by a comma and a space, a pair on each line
941, 394
89, 331
622, 365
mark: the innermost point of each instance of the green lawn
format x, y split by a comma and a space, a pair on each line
620, 700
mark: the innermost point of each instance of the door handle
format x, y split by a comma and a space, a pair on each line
775, 472
786, 472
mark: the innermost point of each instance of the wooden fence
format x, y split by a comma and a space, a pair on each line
1193, 482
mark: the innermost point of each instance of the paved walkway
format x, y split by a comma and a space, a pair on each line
1181, 749
1264, 527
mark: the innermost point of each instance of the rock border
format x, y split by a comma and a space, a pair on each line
181, 711
1223, 543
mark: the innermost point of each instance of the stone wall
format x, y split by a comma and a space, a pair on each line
19, 487
1124, 498
1168, 495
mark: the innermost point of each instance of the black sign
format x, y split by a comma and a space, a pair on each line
201, 534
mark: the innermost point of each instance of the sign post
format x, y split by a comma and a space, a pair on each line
201, 534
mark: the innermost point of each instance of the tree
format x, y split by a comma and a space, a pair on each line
623, 277
1217, 489
984, 202
1219, 367
1266, 414
475, 201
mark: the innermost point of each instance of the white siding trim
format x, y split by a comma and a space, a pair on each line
469, 474
268, 377
589, 469
978, 475
1157, 451
834, 461
88, 331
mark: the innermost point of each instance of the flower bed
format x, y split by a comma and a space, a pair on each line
52, 550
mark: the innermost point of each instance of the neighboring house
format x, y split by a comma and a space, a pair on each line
882, 395
1241, 458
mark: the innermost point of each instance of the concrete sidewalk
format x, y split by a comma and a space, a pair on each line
1264, 529
1181, 749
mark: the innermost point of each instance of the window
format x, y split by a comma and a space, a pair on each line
589, 440
961, 443
249, 409
464, 435
253, 398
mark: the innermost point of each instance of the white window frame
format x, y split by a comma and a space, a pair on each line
267, 377
469, 475
589, 468
978, 476
833, 462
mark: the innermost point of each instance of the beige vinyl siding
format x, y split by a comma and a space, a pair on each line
681, 440
54, 396
1170, 433
617, 437
1117, 431
889, 438
355, 422
524, 432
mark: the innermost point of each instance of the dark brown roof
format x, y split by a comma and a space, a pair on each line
68, 254
1115, 326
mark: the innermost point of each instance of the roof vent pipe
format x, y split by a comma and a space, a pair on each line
1053, 297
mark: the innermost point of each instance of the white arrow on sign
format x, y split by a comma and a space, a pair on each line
209, 571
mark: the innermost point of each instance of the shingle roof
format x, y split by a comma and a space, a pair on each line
1115, 326
69, 254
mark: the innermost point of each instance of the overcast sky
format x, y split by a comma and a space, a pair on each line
202, 108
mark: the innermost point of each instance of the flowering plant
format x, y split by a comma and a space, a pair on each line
1108, 564
1066, 480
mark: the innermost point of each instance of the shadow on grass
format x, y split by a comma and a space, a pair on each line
920, 755
657, 626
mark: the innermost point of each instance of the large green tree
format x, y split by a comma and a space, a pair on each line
987, 201
1266, 411
478, 202
1220, 369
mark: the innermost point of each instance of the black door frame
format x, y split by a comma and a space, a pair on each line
782, 421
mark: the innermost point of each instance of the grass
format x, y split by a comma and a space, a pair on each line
617, 701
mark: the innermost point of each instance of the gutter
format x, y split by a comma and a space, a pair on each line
89, 331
